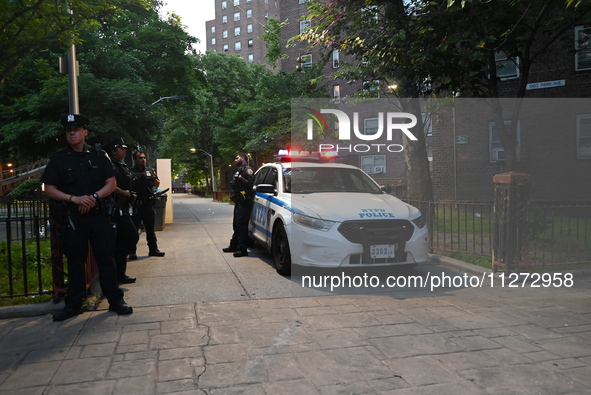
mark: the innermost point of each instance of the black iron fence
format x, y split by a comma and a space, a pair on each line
25, 254
555, 234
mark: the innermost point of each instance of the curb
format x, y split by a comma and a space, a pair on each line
458, 265
30, 310
469, 268
37, 309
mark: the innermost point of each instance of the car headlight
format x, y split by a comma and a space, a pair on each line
312, 222
420, 221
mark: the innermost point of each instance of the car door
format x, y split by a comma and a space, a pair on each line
258, 217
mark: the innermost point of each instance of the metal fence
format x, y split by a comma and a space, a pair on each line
559, 234
25, 262
556, 234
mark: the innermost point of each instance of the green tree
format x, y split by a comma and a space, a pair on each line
126, 63
441, 47
239, 107
29, 26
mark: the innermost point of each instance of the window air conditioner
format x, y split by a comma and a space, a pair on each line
378, 169
497, 155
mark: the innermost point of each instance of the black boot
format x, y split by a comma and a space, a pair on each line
67, 312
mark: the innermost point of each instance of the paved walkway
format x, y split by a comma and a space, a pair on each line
202, 325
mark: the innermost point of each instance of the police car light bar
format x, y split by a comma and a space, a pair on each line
306, 156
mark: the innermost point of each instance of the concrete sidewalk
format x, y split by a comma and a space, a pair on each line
203, 323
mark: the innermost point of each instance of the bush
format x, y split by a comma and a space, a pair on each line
26, 189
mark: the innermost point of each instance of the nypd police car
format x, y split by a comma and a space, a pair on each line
311, 212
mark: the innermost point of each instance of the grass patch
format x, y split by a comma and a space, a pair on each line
478, 260
15, 273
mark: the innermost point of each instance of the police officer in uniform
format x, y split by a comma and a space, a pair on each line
144, 184
127, 235
83, 176
242, 196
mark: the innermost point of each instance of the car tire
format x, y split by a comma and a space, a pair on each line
280, 250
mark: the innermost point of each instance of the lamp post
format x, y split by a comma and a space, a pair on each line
213, 184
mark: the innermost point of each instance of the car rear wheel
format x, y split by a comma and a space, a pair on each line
281, 252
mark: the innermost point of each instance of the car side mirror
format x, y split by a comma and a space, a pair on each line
266, 188
386, 188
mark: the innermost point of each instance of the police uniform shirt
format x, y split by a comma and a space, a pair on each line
124, 180
144, 182
123, 175
78, 173
244, 183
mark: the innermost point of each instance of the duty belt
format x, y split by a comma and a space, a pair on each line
144, 202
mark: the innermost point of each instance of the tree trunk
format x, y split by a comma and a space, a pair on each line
419, 184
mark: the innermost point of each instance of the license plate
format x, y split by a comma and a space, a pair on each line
382, 251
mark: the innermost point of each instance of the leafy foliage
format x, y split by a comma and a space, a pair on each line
26, 189
29, 26
127, 59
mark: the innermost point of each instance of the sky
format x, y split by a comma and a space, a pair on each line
193, 15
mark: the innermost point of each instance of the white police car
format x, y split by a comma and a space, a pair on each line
326, 214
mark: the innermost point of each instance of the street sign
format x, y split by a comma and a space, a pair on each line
462, 139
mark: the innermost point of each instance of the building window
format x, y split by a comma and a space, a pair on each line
249, 28
212, 29
250, 43
584, 136
224, 5
224, 34
237, 46
249, 13
213, 41
305, 62
237, 16
336, 92
303, 1
305, 26
224, 18
427, 123
507, 67
373, 164
225, 47
370, 125
249, 1
237, 31
583, 48
250, 58
371, 88
266, 14
495, 147
236, 2
335, 59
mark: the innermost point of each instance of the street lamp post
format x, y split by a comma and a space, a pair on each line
213, 183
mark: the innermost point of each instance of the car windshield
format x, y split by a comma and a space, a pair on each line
327, 179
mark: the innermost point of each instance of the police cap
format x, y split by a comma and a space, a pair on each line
117, 142
73, 121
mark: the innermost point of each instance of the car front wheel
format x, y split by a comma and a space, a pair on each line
281, 252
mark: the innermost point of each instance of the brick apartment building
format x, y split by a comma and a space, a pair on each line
554, 132
237, 26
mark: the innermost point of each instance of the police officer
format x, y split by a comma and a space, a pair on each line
127, 236
83, 176
242, 196
144, 184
